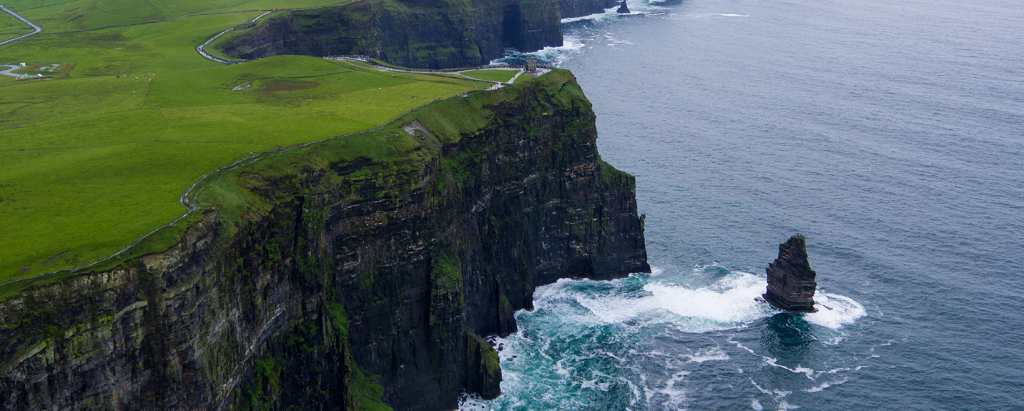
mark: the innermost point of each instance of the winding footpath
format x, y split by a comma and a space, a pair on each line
35, 28
460, 72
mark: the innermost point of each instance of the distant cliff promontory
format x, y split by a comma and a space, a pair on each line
415, 33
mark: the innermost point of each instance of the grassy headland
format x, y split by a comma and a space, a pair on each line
93, 160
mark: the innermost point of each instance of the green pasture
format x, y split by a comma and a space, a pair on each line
492, 75
62, 15
147, 48
92, 161
11, 27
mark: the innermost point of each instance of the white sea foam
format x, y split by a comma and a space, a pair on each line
608, 13
671, 394
825, 385
756, 405
834, 311
709, 354
797, 370
726, 304
729, 300
554, 56
472, 402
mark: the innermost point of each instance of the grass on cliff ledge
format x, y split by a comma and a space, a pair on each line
92, 161
492, 74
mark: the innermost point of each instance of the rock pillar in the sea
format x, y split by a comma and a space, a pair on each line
623, 9
790, 278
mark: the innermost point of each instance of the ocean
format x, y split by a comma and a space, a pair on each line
890, 134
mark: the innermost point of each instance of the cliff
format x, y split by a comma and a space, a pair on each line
348, 274
415, 33
580, 8
410, 33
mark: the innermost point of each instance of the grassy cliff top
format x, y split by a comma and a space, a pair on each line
382, 152
98, 155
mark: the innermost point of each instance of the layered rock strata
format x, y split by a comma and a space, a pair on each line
791, 283
350, 274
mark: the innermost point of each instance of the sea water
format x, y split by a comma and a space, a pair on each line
890, 133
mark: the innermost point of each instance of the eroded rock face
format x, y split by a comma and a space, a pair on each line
791, 283
343, 275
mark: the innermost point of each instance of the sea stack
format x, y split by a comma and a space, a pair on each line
623, 9
790, 278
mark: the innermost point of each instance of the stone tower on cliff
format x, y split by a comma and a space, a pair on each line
791, 283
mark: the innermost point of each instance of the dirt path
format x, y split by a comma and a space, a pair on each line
460, 72
10, 68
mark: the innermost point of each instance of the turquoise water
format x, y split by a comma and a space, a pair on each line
889, 133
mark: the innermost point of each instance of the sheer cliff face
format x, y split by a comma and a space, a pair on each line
411, 33
343, 271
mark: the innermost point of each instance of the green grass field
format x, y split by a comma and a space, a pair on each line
11, 27
524, 77
91, 161
62, 15
492, 75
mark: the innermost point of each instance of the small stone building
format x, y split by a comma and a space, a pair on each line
531, 64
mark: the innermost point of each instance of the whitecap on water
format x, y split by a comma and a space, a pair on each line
709, 354
549, 56
825, 385
730, 301
727, 303
834, 311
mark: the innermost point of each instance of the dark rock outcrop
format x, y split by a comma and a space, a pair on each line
409, 33
623, 9
791, 283
580, 8
355, 272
